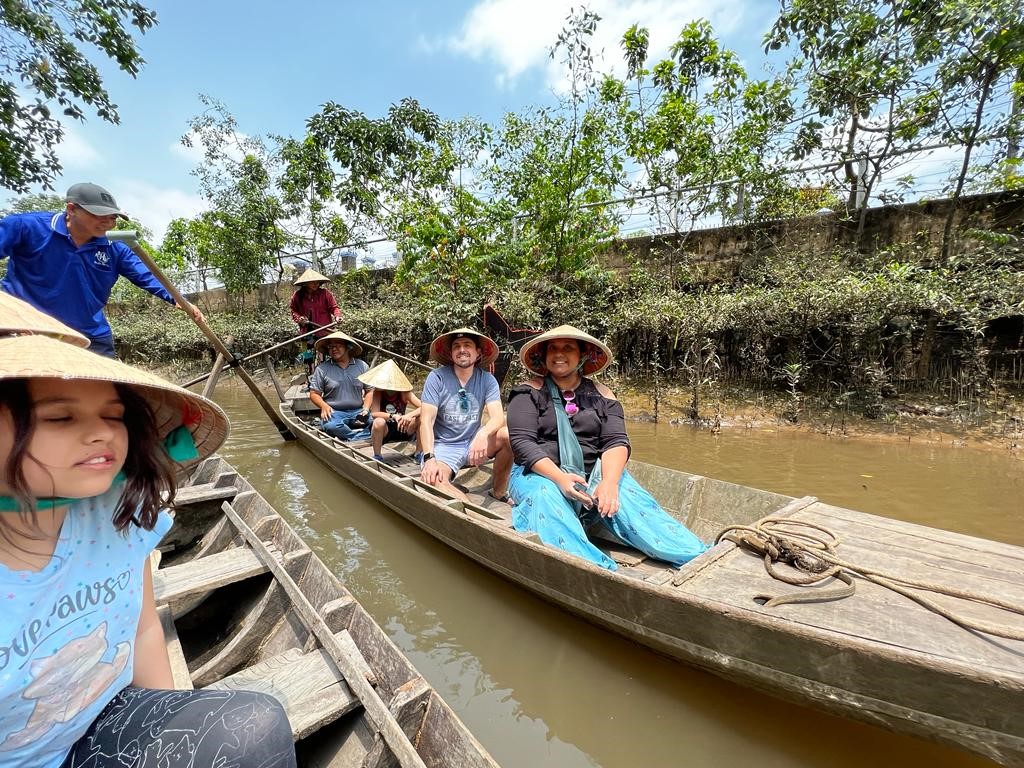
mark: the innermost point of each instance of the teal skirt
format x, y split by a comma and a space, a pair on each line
640, 522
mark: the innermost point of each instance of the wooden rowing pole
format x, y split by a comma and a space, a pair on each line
129, 238
260, 354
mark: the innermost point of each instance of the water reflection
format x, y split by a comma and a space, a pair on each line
541, 688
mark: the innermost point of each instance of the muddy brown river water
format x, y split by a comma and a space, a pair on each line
541, 688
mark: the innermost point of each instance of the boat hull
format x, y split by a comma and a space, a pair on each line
705, 614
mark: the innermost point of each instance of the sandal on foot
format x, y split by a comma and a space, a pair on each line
504, 498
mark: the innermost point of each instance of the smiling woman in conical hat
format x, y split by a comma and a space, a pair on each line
595, 355
568, 435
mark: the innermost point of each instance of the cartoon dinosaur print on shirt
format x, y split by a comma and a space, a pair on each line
67, 682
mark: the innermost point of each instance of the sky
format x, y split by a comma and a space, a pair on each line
274, 64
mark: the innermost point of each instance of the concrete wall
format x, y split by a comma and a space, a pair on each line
265, 295
721, 253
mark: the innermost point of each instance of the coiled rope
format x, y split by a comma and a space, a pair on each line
811, 550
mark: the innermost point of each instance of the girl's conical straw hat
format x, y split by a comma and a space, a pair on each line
32, 357
354, 348
311, 276
441, 347
595, 354
388, 376
19, 317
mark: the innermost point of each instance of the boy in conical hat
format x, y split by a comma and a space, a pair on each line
312, 306
392, 395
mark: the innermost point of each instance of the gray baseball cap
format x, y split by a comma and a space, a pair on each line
94, 198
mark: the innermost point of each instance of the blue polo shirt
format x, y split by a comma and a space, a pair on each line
72, 284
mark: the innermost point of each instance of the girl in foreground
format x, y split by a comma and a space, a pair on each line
89, 448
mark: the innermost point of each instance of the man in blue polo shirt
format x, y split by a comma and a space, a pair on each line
63, 264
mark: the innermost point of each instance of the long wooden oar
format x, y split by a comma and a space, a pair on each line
261, 353
392, 354
129, 238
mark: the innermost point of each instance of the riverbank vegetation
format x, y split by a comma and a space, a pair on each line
824, 340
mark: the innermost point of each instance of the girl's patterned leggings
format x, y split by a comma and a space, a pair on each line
143, 728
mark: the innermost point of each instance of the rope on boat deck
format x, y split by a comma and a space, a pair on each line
811, 550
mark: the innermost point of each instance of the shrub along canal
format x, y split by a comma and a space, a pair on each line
541, 688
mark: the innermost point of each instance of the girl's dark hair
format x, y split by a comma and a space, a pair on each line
149, 472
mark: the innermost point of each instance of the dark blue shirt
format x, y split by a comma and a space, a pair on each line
47, 269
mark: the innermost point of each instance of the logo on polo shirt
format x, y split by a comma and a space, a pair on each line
102, 258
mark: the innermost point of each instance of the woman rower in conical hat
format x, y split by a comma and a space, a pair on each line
89, 449
389, 403
312, 306
568, 435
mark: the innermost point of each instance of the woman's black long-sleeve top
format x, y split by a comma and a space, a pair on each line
533, 428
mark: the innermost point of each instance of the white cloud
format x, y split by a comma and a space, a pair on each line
156, 206
517, 35
76, 153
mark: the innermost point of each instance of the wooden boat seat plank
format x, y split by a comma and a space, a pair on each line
873, 613
195, 494
175, 654
308, 685
912, 535
212, 571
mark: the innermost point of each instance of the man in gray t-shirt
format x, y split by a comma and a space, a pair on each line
336, 390
454, 399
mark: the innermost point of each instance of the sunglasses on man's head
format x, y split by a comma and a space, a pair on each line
463, 400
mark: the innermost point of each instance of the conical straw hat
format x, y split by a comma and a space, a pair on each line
311, 276
595, 354
19, 317
354, 348
43, 357
441, 347
387, 376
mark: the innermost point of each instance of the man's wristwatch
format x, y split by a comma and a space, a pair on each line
427, 457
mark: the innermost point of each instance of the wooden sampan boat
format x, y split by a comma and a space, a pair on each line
875, 656
245, 604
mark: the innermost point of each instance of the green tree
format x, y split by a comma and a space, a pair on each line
306, 185
34, 202
702, 134
241, 230
371, 158
980, 63
554, 170
43, 71
189, 242
883, 77
441, 225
